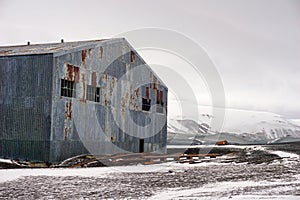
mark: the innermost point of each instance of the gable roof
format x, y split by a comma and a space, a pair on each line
49, 48
62, 48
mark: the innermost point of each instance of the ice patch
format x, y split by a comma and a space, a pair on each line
284, 154
5, 161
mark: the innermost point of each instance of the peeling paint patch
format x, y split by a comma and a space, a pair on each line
68, 109
71, 73
68, 119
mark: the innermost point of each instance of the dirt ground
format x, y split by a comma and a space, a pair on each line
247, 165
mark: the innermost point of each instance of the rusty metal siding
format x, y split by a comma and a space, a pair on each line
102, 66
25, 106
37, 123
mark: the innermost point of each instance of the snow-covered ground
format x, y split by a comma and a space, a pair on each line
221, 178
228, 190
5, 161
12, 174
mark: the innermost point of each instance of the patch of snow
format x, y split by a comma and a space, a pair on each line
211, 191
258, 197
6, 161
11, 174
284, 154
255, 147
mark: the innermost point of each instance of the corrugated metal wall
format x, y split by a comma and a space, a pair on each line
104, 128
25, 102
38, 123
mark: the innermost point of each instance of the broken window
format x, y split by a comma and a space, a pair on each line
68, 88
159, 101
93, 93
146, 102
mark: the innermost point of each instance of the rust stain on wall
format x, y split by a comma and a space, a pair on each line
123, 105
131, 102
136, 92
126, 97
105, 100
101, 52
83, 57
153, 81
69, 72
68, 110
104, 89
68, 119
76, 74
72, 73
132, 56
112, 86
136, 99
94, 79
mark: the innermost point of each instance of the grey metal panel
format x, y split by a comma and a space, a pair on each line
108, 62
25, 102
48, 127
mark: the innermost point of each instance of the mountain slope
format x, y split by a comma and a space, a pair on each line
242, 125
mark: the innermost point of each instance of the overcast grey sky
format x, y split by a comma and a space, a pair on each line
255, 44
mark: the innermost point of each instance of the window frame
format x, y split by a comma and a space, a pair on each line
93, 93
68, 88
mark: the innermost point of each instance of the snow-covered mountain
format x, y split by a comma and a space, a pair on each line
241, 126
296, 121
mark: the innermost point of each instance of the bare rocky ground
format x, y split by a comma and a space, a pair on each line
245, 165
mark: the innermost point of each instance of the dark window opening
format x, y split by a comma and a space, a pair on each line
146, 102
141, 148
68, 88
93, 93
132, 56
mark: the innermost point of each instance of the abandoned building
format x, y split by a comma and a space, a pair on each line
64, 99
